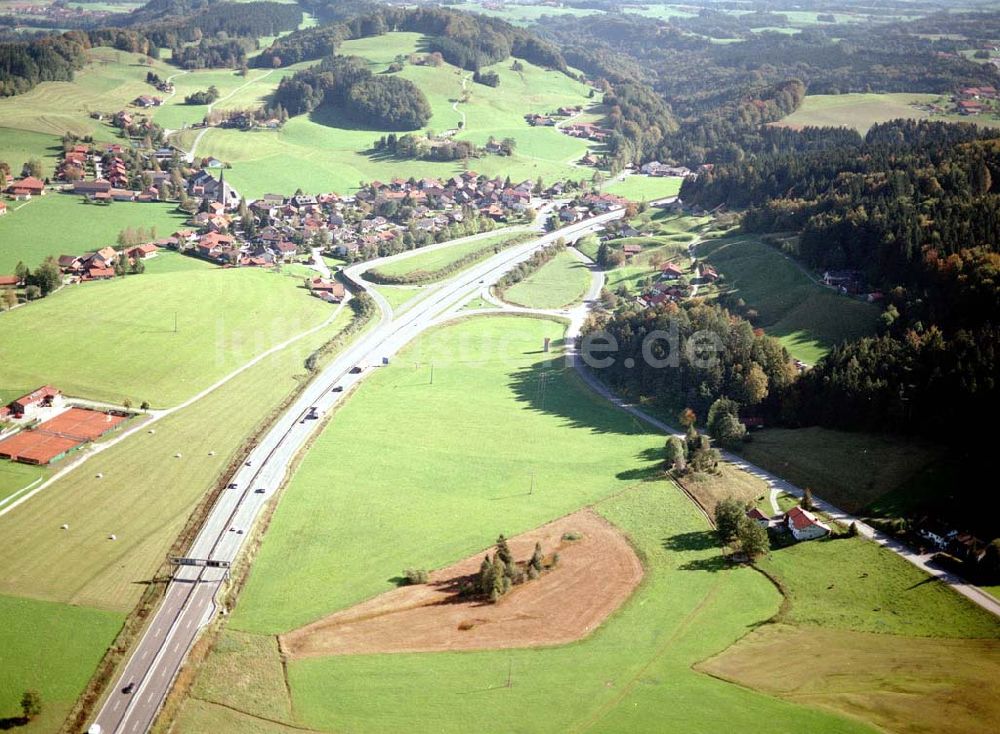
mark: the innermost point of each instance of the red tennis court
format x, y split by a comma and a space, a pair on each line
83, 424
53, 438
36, 447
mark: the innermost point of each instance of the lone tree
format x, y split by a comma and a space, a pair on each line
807, 499
675, 454
729, 514
753, 538
31, 704
536, 558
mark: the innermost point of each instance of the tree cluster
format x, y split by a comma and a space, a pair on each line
500, 573
382, 102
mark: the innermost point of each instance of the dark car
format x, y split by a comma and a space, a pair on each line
259, 490
338, 388
356, 369
129, 688
232, 486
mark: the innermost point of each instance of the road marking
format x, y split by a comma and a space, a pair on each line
118, 704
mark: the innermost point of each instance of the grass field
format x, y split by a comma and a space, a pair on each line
53, 648
876, 676
489, 366
850, 470
878, 475
111, 340
807, 318
14, 477
645, 188
562, 281
424, 264
467, 478
326, 151
145, 495
861, 111
399, 296
61, 224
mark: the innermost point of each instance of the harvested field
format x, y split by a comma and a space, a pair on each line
594, 576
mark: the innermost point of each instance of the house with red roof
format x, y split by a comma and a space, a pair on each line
670, 271
28, 405
27, 187
803, 525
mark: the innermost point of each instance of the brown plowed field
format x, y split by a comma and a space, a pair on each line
595, 574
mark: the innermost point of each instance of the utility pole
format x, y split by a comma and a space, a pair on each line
510, 672
175, 322
432, 373
531, 489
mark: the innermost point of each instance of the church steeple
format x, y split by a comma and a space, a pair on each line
221, 196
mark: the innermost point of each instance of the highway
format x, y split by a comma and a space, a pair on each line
190, 600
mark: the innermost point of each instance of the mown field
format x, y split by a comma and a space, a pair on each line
327, 151
562, 281
62, 224
866, 633
861, 111
113, 340
52, 648
465, 480
145, 494
14, 477
341, 519
807, 318
645, 188
424, 264
483, 367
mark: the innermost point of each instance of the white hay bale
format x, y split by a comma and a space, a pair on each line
99, 475
64, 526
177, 455
112, 537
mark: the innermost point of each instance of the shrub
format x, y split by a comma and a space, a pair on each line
416, 576
571, 536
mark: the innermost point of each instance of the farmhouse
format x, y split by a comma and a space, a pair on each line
27, 187
29, 405
759, 517
670, 271
142, 252
9, 281
803, 525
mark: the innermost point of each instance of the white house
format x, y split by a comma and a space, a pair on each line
803, 525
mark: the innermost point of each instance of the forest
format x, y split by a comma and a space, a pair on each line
468, 41
383, 102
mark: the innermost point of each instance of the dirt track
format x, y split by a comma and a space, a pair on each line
594, 576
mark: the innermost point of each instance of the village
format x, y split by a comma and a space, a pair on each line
225, 228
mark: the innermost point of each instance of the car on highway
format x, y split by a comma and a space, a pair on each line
129, 687
259, 490
356, 369
248, 463
231, 485
337, 388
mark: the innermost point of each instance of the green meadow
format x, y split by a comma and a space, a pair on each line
807, 318
427, 265
62, 224
327, 151
645, 188
52, 648
562, 281
486, 427
141, 489
112, 340
861, 111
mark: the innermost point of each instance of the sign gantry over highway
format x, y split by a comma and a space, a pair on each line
205, 562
